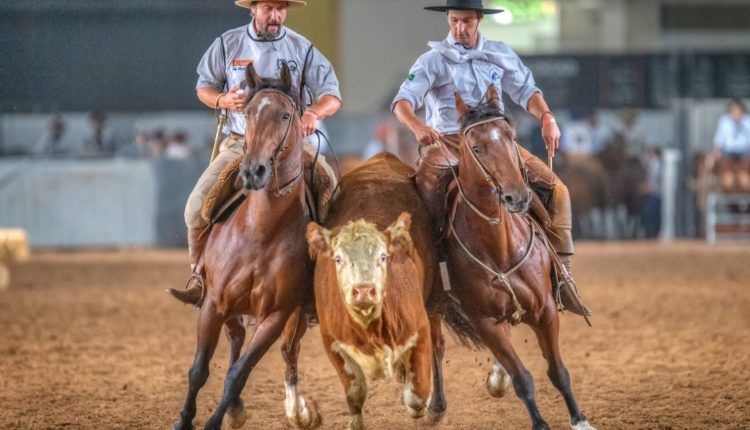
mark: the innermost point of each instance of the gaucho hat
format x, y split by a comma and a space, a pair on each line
464, 5
290, 3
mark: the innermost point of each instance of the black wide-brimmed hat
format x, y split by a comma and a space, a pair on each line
464, 5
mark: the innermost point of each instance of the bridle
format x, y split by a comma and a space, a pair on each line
282, 147
498, 276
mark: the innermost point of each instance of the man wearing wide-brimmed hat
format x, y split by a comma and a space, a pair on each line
468, 64
267, 44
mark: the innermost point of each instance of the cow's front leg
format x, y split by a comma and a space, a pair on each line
353, 381
418, 384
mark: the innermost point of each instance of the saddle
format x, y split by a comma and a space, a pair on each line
227, 193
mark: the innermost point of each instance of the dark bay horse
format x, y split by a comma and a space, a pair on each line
257, 262
498, 261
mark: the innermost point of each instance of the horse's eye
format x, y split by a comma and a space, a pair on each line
476, 150
286, 116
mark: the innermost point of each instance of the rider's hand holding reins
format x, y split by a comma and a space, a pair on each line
233, 100
551, 135
425, 134
309, 122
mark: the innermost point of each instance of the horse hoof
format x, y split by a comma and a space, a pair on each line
434, 417
582, 425
237, 415
498, 382
238, 419
308, 418
212, 425
179, 425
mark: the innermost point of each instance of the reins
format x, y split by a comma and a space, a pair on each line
498, 276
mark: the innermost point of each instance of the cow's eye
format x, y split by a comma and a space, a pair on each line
383, 257
337, 259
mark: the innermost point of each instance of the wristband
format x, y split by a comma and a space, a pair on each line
216, 107
546, 121
317, 117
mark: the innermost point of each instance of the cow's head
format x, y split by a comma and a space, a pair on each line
361, 254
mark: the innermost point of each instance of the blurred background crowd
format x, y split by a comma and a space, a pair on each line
98, 109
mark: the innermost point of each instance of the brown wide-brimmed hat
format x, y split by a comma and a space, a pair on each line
464, 5
291, 3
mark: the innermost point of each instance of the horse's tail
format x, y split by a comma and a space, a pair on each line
459, 325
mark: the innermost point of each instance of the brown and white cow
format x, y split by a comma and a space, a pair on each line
375, 269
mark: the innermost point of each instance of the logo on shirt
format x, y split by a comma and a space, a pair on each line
495, 76
241, 64
290, 63
410, 77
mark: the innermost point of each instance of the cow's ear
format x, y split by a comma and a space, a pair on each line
318, 240
399, 239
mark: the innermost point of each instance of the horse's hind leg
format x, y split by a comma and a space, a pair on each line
299, 414
267, 331
235, 332
209, 328
438, 403
547, 336
497, 338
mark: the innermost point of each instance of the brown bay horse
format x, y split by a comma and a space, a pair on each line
498, 261
256, 262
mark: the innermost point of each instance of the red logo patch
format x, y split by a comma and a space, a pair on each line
241, 63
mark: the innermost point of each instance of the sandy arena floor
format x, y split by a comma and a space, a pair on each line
90, 341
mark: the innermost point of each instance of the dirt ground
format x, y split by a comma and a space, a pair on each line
90, 341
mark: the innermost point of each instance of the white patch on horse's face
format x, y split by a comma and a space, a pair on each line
263, 103
495, 135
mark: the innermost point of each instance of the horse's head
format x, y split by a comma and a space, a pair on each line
273, 125
489, 156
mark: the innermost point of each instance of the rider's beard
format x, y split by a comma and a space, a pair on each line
266, 34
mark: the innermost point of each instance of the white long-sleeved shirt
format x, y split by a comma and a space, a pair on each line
450, 67
733, 137
223, 65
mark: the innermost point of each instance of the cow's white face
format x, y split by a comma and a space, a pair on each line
361, 255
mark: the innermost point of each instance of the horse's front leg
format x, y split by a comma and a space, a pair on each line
235, 332
298, 412
267, 331
438, 403
497, 338
547, 336
209, 328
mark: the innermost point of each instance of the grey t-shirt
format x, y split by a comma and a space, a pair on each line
223, 65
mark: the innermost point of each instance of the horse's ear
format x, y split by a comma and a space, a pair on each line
318, 240
399, 239
460, 105
492, 97
251, 76
286, 75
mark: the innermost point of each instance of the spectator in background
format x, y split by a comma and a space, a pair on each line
584, 136
99, 140
53, 141
379, 141
732, 148
628, 135
177, 148
651, 194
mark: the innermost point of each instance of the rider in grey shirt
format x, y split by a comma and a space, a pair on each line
266, 44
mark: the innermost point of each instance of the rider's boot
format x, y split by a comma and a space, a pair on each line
195, 289
561, 237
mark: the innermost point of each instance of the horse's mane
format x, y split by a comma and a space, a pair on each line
481, 112
274, 84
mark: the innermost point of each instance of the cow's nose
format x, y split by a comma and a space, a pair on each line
363, 295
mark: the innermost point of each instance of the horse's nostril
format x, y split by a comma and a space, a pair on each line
260, 172
508, 199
